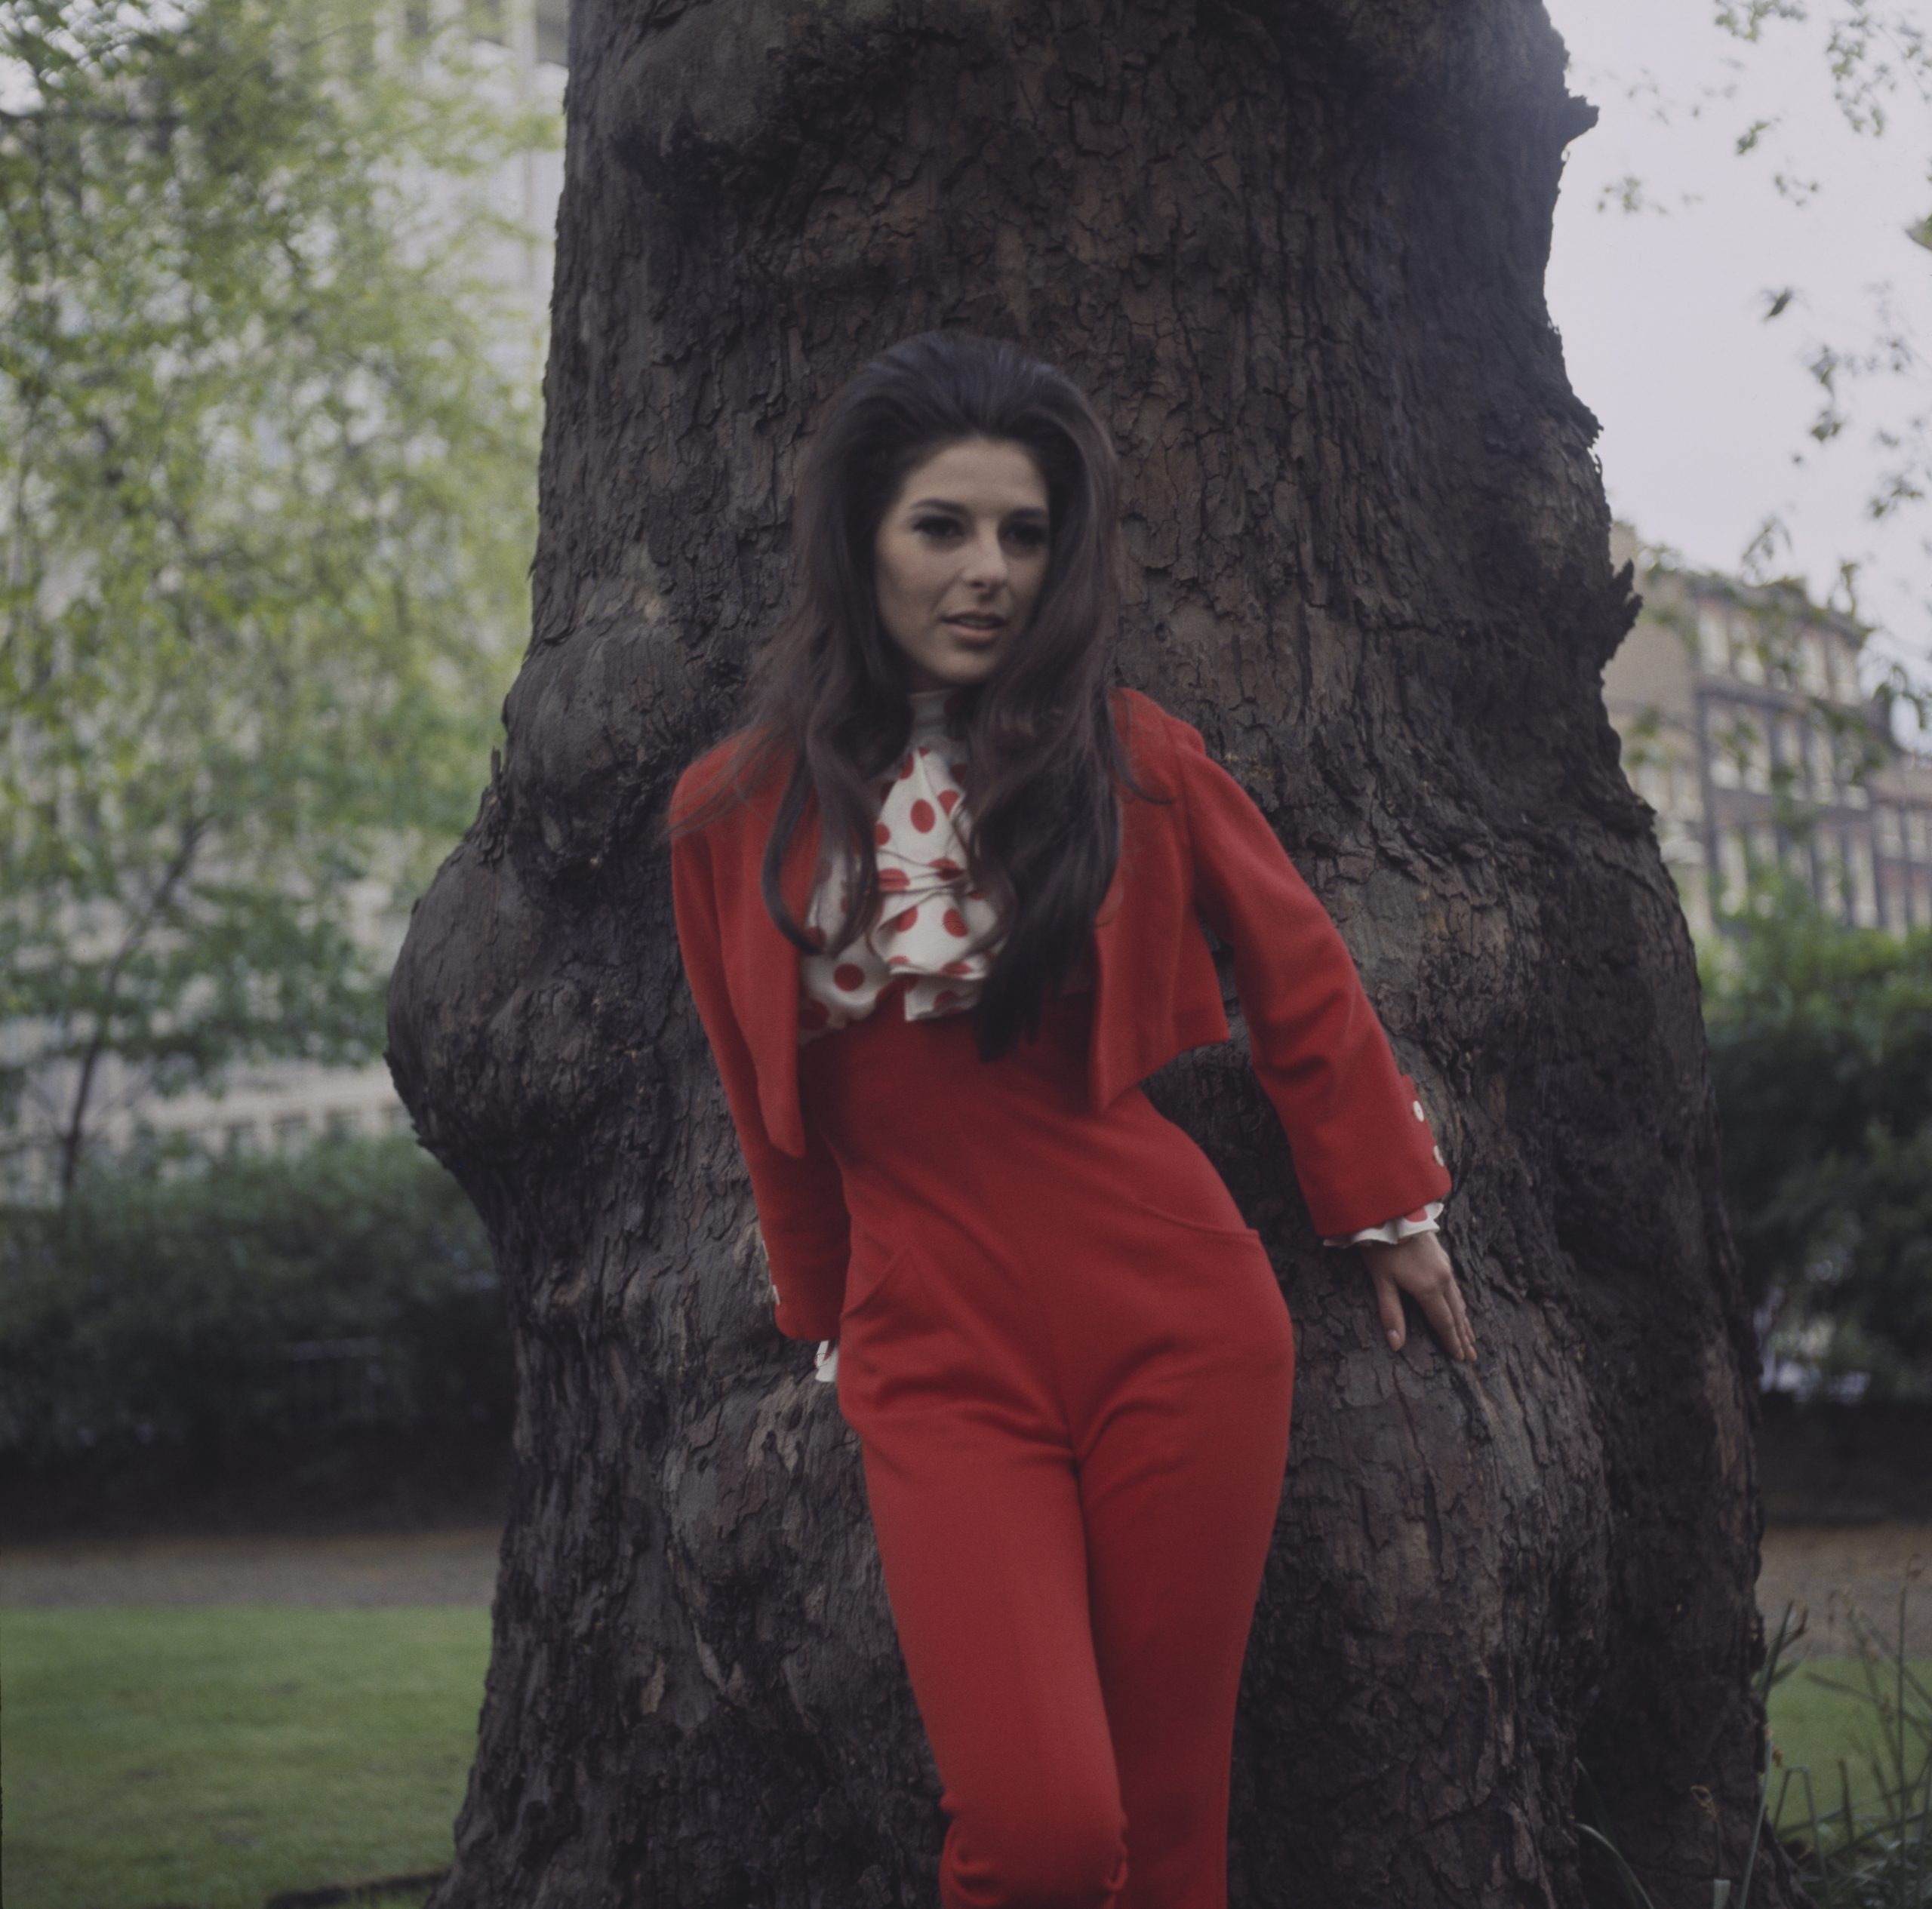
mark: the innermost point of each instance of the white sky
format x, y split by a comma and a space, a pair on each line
1704, 404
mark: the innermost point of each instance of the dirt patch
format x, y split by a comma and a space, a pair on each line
1832, 1568
431, 1567
1836, 1569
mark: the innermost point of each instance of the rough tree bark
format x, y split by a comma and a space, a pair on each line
1295, 251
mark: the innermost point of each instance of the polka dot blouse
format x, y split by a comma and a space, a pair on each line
931, 925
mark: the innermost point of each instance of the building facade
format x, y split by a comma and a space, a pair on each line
1746, 727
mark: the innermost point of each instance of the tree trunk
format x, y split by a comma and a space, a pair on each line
1295, 253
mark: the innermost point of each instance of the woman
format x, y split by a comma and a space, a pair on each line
939, 902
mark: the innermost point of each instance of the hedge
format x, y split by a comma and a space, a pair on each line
204, 1301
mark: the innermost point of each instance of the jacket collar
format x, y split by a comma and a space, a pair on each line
763, 967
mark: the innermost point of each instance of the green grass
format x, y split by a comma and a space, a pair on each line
1814, 1724
211, 1757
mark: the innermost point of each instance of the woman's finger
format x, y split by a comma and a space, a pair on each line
1389, 1304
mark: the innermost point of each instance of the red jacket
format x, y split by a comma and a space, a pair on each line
1362, 1147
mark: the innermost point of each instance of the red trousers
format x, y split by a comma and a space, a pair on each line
1069, 1366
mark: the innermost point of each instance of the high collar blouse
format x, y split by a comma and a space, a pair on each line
930, 915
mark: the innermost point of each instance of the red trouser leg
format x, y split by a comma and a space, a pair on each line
1179, 1493
986, 1570
1074, 1470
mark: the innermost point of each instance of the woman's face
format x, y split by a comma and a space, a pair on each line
959, 558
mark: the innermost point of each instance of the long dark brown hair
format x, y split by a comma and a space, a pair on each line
830, 690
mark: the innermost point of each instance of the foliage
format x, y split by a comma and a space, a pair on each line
1821, 1053
194, 1301
266, 454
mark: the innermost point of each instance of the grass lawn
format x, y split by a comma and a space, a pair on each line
1814, 1724
212, 1757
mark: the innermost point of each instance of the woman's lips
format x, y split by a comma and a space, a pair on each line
975, 636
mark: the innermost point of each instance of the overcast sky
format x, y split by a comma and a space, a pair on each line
1704, 403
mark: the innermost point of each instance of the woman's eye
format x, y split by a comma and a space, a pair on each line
1032, 536
935, 526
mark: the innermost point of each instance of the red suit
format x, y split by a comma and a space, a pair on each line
1066, 1357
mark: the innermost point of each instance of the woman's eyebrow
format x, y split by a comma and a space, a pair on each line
960, 510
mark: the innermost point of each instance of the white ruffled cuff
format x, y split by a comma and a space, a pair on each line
1392, 1231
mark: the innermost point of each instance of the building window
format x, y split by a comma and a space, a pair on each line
1817, 675
1732, 868
1885, 830
1864, 884
1824, 779
1915, 834
1713, 637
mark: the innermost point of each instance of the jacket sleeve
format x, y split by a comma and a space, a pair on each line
1356, 1127
800, 1202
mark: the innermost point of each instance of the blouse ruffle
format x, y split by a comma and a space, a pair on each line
929, 914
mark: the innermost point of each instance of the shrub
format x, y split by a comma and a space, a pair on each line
206, 1300
1821, 1054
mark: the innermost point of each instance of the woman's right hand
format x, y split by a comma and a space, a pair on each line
1419, 1267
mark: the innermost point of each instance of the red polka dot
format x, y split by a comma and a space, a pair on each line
902, 922
948, 800
957, 967
953, 922
923, 750
815, 935
898, 961
922, 815
880, 834
906, 767
849, 975
945, 865
892, 878
813, 1013
944, 998
975, 894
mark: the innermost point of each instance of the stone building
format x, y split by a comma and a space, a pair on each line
1746, 727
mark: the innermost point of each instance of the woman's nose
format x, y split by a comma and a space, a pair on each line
985, 562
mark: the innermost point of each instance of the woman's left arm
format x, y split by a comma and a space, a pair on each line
1359, 1134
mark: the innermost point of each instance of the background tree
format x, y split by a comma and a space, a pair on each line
1821, 1050
1294, 249
264, 489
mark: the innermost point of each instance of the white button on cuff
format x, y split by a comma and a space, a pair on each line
1420, 1114
1437, 1152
